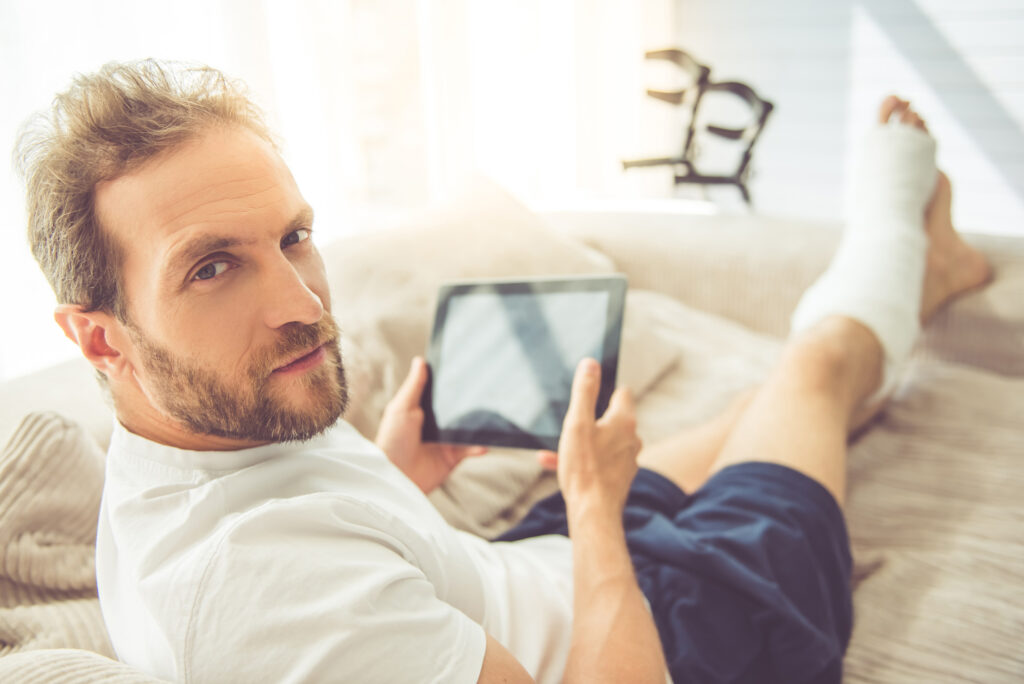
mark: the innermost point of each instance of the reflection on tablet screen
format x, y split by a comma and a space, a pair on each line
508, 360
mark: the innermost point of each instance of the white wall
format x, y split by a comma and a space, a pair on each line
826, 65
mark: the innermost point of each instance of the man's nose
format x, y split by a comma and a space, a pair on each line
288, 298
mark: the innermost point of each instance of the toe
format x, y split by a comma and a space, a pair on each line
893, 107
911, 118
889, 105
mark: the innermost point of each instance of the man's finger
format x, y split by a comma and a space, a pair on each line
585, 387
411, 389
621, 403
547, 459
456, 453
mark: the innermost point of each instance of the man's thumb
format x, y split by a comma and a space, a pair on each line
586, 385
411, 389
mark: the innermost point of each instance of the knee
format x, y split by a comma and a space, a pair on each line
821, 360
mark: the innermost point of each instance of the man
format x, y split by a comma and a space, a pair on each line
246, 535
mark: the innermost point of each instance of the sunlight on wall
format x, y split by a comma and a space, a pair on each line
545, 96
827, 65
957, 105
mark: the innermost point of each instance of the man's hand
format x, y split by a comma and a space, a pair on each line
400, 436
596, 459
614, 638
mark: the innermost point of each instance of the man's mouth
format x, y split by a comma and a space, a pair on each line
304, 362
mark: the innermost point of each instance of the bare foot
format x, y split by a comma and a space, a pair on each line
894, 106
953, 267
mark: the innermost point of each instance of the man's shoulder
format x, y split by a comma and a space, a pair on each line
161, 504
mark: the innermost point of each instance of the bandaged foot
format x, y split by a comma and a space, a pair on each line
877, 273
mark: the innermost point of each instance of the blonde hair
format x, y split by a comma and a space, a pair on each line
104, 125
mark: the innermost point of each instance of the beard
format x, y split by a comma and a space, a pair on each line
250, 408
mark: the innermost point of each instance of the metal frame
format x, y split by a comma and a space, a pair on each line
686, 169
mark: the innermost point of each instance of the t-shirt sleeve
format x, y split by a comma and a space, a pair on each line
301, 594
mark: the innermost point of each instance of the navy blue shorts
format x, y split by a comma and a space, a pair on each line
748, 578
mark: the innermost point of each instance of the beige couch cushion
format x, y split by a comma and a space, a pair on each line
51, 477
69, 388
753, 269
935, 514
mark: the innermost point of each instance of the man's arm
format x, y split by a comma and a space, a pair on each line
614, 638
501, 667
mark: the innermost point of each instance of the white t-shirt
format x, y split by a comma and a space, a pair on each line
312, 561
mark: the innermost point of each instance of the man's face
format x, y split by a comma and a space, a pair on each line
229, 313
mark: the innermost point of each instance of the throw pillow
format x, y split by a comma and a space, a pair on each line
51, 479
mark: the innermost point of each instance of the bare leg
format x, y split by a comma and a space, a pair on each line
801, 416
827, 369
687, 456
822, 376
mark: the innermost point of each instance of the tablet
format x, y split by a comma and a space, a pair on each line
503, 353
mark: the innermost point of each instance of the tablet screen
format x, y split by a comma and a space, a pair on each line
503, 356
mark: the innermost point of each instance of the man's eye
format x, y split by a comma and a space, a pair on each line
295, 237
211, 270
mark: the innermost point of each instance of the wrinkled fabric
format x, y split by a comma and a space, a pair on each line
748, 578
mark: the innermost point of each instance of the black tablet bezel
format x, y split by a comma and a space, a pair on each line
614, 286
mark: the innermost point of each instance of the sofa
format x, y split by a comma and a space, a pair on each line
935, 505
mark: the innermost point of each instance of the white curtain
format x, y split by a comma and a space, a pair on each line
545, 96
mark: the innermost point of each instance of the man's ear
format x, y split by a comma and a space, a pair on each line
94, 332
